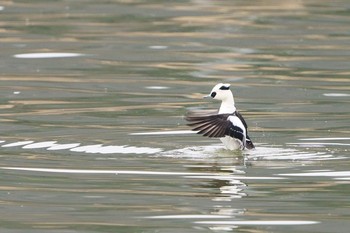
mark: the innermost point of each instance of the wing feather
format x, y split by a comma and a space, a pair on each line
211, 124
214, 125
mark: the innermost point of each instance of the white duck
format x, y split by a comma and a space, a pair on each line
227, 124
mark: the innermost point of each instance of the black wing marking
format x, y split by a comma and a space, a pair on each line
249, 143
236, 132
238, 114
209, 125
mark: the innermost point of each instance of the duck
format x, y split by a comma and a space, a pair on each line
226, 123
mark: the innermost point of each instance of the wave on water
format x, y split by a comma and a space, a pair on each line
261, 152
308, 150
291, 151
47, 55
76, 147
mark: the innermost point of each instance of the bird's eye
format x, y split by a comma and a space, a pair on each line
213, 94
224, 88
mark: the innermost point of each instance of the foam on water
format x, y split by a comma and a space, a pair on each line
14, 144
193, 152
39, 145
90, 149
63, 146
262, 151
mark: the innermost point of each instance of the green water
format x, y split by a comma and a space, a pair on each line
95, 141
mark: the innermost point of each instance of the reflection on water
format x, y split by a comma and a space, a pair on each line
92, 101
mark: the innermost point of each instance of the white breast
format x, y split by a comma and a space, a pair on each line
231, 143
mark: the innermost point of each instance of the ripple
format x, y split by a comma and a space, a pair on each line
87, 149
271, 153
75, 147
158, 47
336, 95
157, 87
194, 152
14, 144
318, 144
48, 55
324, 139
235, 179
259, 153
260, 223
100, 149
39, 145
174, 132
87, 171
63, 146
189, 216
319, 174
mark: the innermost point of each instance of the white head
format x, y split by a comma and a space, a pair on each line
222, 92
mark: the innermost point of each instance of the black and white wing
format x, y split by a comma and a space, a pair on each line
216, 125
249, 143
237, 128
209, 125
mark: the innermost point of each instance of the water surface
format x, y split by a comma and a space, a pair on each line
93, 96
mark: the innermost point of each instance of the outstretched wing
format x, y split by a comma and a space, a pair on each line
220, 125
215, 125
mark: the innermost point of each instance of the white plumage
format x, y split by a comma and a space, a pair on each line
226, 124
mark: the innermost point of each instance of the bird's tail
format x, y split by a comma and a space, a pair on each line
249, 144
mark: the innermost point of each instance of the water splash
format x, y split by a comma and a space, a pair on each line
262, 152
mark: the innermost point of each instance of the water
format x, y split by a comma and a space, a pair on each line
92, 102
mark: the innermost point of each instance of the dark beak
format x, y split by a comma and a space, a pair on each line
207, 96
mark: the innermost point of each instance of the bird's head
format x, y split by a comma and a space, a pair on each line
221, 92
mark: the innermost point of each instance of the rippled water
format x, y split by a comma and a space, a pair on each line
93, 95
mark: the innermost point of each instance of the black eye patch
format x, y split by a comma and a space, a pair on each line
213, 94
224, 88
